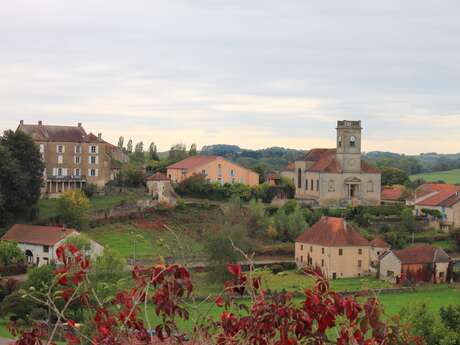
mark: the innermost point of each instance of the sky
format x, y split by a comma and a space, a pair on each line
255, 73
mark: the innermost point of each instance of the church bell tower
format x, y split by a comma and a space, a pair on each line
349, 145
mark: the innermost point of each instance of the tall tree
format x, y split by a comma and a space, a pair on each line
177, 152
139, 147
153, 154
129, 147
121, 142
21, 176
193, 151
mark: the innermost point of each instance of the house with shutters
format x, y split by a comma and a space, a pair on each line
72, 157
39, 243
338, 176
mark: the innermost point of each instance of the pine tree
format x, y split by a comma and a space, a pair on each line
129, 147
193, 150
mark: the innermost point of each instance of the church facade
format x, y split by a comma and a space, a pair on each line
338, 177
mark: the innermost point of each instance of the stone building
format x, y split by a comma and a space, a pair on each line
338, 177
72, 157
159, 186
39, 243
336, 247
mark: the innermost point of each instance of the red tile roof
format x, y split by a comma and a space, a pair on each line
332, 232
437, 194
158, 176
34, 234
379, 243
421, 254
391, 193
192, 162
325, 160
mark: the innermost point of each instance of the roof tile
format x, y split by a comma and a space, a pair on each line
35, 234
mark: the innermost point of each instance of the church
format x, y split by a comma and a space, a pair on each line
338, 177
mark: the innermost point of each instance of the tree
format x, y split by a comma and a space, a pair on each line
408, 220
139, 147
81, 241
153, 154
193, 151
21, 176
394, 176
121, 142
177, 152
10, 253
74, 208
129, 147
40, 278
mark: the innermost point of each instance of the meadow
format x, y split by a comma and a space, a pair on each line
450, 176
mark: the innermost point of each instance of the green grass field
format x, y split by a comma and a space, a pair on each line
450, 176
127, 238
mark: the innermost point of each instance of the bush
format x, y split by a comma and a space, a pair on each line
180, 204
38, 314
90, 189
13, 269
277, 268
74, 208
10, 253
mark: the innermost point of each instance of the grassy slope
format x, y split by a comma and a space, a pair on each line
450, 176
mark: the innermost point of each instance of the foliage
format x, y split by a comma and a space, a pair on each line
81, 241
21, 176
153, 154
290, 221
74, 208
129, 146
193, 151
40, 278
130, 176
177, 153
8, 287
432, 212
10, 253
90, 189
120, 142
408, 220
394, 176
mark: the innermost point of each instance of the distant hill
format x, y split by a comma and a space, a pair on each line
449, 176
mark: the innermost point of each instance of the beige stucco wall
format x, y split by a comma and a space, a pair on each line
288, 174
215, 174
390, 263
344, 266
163, 190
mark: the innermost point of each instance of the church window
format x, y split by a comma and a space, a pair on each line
299, 178
306, 184
311, 185
352, 141
370, 186
317, 185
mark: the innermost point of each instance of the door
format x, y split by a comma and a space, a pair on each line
334, 276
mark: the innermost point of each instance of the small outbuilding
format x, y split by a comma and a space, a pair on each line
418, 263
159, 186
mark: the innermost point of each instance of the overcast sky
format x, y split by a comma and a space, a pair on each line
255, 73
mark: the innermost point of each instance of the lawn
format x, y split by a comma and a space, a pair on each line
288, 280
450, 176
48, 208
131, 239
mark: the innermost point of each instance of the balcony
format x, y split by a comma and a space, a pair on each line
66, 178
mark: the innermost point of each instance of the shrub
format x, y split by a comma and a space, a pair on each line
74, 208
13, 269
38, 314
90, 190
10, 253
277, 268
272, 233
180, 204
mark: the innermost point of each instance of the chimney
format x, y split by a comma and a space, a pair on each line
99, 136
79, 124
40, 123
21, 122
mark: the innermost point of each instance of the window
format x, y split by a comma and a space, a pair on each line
46, 261
77, 148
441, 275
331, 186
92, 160
77, 160
301, 247
42, 148
370, 186
46, 249
306, 184
60, 149
390, 274
317, 185
360, 263
203, 172
59, 171
311, 249
322, 250
299, 178
60, 159
378, 253
301, 258
93, 149
360, 251
77, 172
322, 262
340, 251
352, 141
232, 173
311, 184
339, 141
92, 172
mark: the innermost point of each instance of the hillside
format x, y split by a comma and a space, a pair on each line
450, 176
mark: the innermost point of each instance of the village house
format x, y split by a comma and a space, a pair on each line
443, 198
73, 158
214, 169
339, 177
378, 248
39, 243
421, 262
336, 247
160, 188
392, 195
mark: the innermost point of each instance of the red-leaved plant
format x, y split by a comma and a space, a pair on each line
321, 317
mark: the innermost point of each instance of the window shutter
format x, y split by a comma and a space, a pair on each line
63, 148
54, 171
57, 148
89, 172
97, 148
97, 172
97, 159
64, 171
89, 160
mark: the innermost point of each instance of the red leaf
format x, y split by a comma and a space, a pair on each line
234, 269
219, 301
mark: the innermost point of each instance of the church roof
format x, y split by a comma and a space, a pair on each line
325, 160
332, 232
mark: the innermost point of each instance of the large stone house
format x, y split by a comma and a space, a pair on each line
444, 198
421, 262
336, 247
39, 243
214, 168
72, 157
339, 176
